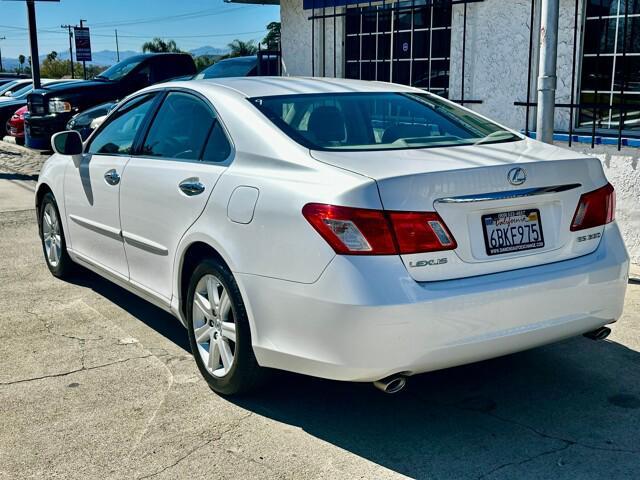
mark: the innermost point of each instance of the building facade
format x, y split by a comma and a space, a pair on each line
484, 55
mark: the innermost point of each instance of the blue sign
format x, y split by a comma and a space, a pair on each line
83, 44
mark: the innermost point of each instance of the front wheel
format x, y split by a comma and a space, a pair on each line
219, 331
54, 244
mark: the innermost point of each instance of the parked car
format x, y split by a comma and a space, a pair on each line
19, 98
50, 110
248, 66
15, 125
343, 229
87, 121
11, 86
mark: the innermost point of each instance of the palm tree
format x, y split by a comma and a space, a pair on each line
240, 48
272, 39
21, 60
159, 45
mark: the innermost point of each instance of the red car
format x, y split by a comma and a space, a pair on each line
15, 125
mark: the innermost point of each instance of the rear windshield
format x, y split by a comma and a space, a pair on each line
377, 121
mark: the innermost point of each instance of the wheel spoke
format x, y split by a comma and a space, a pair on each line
52, 253
202, 304
225, 353
214, 355
203, 333
212, 293
229, 331
225, 306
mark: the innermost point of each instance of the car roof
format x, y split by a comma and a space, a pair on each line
271, 86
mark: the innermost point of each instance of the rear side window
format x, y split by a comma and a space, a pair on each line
377, 121
180, 129
116, 137
185, 127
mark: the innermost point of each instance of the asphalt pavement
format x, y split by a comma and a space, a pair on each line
96, 383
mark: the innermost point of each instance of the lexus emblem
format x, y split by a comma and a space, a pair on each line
517, 176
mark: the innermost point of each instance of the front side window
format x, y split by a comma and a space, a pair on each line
119, 70
180, 128
116, 137
610, 83
377, 121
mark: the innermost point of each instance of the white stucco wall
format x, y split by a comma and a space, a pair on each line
296, 41
623, 171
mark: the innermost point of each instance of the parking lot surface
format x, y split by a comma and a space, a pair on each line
96, 383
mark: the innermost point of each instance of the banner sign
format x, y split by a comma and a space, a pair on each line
83, 44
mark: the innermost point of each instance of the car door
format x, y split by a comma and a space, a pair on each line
166, 185
92, 188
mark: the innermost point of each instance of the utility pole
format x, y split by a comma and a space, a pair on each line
117, 47
547, 78
84, 64
69, 27
1, 69
33, 41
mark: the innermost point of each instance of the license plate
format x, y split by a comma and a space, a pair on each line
508, 232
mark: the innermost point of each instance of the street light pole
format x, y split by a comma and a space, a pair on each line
33, 41
69, 27
547, 77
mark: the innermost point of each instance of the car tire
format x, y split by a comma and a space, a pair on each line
219, 331
54, 245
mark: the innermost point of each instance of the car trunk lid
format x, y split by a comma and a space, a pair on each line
470, 188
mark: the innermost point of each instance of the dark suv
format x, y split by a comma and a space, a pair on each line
51, 109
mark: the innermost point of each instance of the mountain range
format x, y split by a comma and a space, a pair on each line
109, 57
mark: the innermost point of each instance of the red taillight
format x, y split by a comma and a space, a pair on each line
595, 209
418, 232
359, 231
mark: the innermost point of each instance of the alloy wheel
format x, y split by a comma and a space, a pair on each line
51, 235
213, 325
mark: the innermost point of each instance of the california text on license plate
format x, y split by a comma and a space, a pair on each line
514, 231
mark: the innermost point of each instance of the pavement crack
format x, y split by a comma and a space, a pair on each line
198, 447
81, 369
526, 460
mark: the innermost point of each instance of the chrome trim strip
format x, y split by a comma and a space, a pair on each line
97, 227
525, 192
145, 244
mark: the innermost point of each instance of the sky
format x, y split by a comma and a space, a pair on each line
191, 23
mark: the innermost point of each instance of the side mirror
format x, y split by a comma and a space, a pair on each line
67, 143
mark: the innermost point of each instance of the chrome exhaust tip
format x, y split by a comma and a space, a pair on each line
598, 334
392, 384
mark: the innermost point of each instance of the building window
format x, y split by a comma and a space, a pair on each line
611, 65
404, 42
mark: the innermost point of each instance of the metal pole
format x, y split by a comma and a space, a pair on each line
117, 46
1, 69
84, 63
68, 27
547, 76
33, 41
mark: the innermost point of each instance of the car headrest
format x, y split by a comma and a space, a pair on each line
327, 124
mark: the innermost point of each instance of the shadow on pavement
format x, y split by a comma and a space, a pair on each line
162, 322
18, 176
484, 418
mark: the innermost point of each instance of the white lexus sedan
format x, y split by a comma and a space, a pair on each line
350, 230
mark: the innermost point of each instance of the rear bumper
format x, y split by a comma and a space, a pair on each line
365, 318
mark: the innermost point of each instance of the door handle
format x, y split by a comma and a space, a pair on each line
191, 187
112, 177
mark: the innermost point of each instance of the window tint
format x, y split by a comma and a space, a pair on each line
180, 128
218, 148
117, 136
371, 121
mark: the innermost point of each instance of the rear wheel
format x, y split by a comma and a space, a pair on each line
54, 245
219, 331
